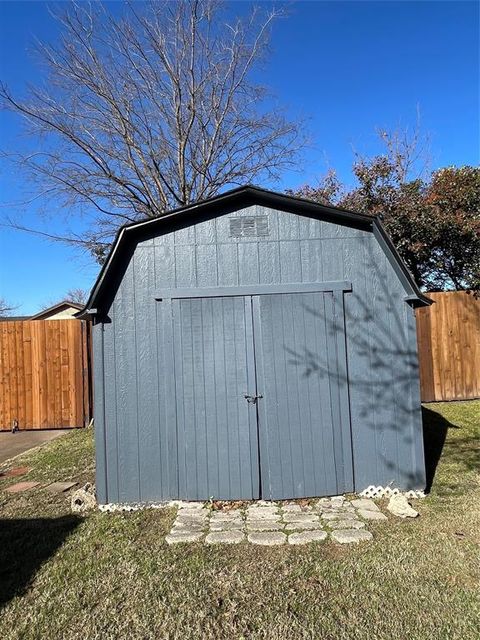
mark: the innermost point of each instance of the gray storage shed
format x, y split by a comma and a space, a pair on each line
255, 345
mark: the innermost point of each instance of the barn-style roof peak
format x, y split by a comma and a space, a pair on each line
241, 197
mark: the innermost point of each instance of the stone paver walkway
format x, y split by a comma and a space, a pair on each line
270, 524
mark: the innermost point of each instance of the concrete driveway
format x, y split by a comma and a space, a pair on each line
13, 444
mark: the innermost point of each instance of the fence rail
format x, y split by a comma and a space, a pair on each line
449, 347
44, 374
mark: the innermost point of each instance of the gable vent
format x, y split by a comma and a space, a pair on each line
247, 227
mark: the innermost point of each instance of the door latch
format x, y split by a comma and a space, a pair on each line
252, 399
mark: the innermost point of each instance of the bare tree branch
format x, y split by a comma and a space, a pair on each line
152, 110
6, 308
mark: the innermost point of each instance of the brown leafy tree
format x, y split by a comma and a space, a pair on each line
433, 219
150, 111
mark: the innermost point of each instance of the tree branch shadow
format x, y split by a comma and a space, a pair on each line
25, 544
382, 373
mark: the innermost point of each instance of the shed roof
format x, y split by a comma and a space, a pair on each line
242, 197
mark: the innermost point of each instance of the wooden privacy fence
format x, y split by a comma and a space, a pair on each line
449, 347
45, 370
44, 374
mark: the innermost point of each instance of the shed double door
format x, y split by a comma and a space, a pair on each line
261, 396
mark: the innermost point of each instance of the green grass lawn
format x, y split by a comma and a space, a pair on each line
113, 576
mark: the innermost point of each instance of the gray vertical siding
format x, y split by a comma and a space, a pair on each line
300, 364
99, 412
142, 369
216, 427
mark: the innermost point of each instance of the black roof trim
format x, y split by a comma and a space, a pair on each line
399, 265
243, 197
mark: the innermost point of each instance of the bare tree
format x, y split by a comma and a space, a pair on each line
80, 296
152, 110
77, 295
6, 308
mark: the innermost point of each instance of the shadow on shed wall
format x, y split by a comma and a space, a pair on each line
383, 379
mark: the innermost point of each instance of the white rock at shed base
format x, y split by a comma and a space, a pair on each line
83, 499
399, 506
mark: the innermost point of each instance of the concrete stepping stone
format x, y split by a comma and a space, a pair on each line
21, 486
346, 506
300, 517
15, 472
175, 537
339, 515
264, 525
188, 521
225, 537
296, 508
305, 537
60, 487
302, 526
225, 526
345, 524
188, 526
365, 503
267, 538
291, 507
347, 536
372, 515
263, 516
181, 518
262, 510
219, 522
181, 526
226, 519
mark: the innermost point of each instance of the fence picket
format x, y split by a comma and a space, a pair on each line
449, 347
42, 374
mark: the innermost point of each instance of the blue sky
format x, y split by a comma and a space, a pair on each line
348, 67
